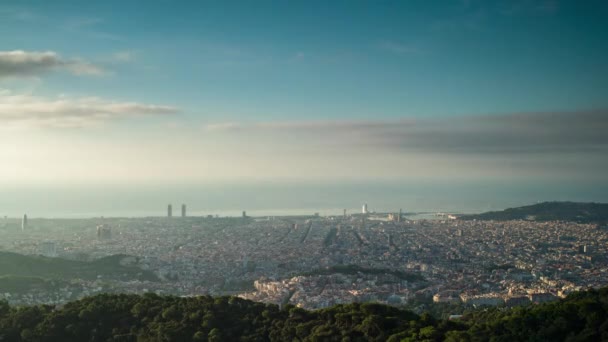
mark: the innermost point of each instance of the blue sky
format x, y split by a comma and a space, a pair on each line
326, 70
349, 59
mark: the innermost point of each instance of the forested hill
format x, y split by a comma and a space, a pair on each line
581, 317
549, 211
14, 264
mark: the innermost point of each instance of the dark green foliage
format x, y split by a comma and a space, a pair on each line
130, 318
56, 268
549, 211
22, 285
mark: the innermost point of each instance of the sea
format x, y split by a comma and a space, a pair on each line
423, 198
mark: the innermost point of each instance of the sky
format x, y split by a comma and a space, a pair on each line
160, 92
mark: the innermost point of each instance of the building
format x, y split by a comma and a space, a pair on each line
104, 232
480, 300
24, 223
183, 210
446, 297
169, 210
48, 249
244, 214
395, 217
364, 209
542, 297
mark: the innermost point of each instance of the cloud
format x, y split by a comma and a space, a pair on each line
556, 145
522, 133
67, 111
522, 7
123, 56
82, 22
20, 63
560, 146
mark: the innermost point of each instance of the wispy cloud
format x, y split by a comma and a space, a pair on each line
559, 132
18, 14
90, 27
20, 63
80, 23
123, 56
547, 7
400, 48
65, 111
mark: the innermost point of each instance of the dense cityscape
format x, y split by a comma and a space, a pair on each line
315, 262
178, 171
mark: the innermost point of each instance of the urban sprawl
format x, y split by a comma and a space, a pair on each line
315, 262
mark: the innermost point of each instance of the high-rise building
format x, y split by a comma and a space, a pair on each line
364, 209
344, 213
244, 213
104, 232
400, 217
183, 210
169, 210
24, 222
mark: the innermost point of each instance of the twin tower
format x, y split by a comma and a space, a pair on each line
170, 210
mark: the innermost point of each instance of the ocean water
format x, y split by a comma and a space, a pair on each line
283, 198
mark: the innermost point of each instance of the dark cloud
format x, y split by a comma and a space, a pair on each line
26, 64
514, 133
559, 132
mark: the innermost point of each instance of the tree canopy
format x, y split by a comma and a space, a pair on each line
582, 316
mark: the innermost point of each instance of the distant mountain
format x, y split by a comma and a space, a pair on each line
549, 211
14, 264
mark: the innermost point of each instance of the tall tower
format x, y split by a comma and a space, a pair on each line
24, 223
399, 218
169, 210
364, 209
244, 214
183, 210
344, 213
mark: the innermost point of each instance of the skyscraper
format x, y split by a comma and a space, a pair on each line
364, 209
104, 232
24, 223
169, 210
183, 210
244, 213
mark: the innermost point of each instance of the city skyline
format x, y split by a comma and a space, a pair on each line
378, 170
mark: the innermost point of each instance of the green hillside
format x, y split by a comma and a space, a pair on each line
56, 268
581, 317
549, 211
